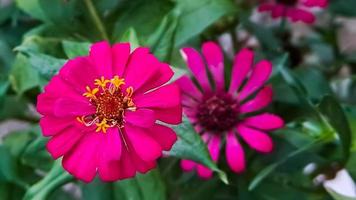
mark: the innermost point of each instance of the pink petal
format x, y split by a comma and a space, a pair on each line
314, 3
265, 121
52, 125
63, 142
215, 60
256, 139
45, 103
296, 14
82, 161
265, 7
100, 55
72, 72
164, 135
242, 64
111, 145
204, 172
161, 76
145, 146
140, 117
279, 10
171, 115
235, 155
166, 96
59, 88
214, 147
127, 167
197, 67
188, 87
120, 56
187, 165
259, 76
141, 67
140, 165
65, 107
262, 99
188, 101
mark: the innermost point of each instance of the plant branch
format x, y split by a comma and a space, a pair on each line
96, 19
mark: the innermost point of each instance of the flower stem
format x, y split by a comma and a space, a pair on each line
96, 19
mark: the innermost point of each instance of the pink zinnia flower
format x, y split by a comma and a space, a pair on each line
296, 10
219, 114
101, 112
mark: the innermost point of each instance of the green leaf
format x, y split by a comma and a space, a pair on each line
33, 8
36, 155
334, 114
8, 167
59, 12
198, 15
161, 41
338, 196
22, 76
131, 36
73, 49
55, 178
345, 8
190, 146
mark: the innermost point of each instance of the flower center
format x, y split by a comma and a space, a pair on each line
218, 113
288, 2
110, 102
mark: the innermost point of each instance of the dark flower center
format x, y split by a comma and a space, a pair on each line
218, 113
288, 2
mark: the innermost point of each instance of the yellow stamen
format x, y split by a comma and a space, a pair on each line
102, 126
101, 82
117, 82
91, 93
129, 92
80, 119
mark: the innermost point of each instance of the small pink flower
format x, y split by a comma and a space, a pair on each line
219, 114
295, 10
101, 111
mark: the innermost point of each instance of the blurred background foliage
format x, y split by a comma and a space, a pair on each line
314, 85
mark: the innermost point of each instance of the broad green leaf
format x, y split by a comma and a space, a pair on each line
142, 187
198, 15
336, 117
338, 196
33, 8
8, 167
147, 186
74, 49
190, 146
131, 36
55, 178
22, 76
161, 42
36, 155
59, 12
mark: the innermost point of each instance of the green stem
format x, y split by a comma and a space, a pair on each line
96, 19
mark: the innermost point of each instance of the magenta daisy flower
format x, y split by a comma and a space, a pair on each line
220, 114
295, 10
101, 112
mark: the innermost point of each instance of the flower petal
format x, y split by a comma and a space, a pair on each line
259, 76
256, 139
188, 165
63, 142
262, 99
111, 145
188, 87
197, 67
120, 57
145, 146
171, 115
215, 60
296, 14
164, 135
204, 172
52, 125
65, 107
140, 117
100, 55
235, 155
82, 161
265, 121
166, 96
242, 65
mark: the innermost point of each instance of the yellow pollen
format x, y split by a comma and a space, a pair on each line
117, 82
111, 101
90, 93
101, 82
102, 126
